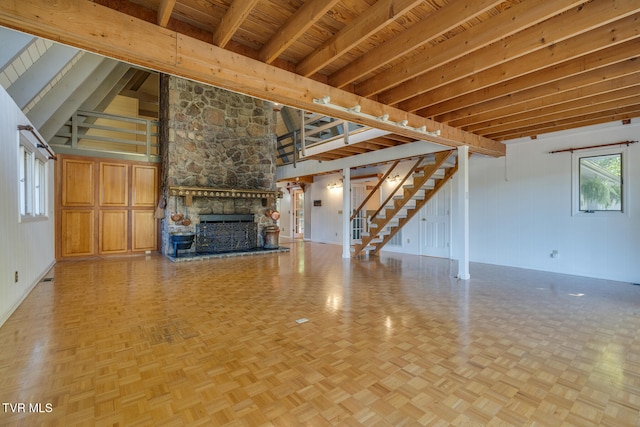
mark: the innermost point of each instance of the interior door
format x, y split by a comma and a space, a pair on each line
358, 223
435, 224
297, 196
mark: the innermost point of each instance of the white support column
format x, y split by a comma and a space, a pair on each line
346, 213
462, 222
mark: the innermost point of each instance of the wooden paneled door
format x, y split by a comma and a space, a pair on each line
105, 207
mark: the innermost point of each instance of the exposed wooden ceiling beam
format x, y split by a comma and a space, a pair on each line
490, 31
441, 21
190, 29
295, 26
512, 101
464, 77
615, 54
374, 18
560, 101
102, 30
385, 141
573, 122
399, 138
231, 21
164, 11
622, 99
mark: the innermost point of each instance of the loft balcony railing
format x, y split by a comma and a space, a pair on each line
108, 135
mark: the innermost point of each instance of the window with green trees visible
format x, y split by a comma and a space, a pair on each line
601, 183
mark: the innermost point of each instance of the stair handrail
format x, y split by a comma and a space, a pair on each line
412, 212
399, 186
377, 186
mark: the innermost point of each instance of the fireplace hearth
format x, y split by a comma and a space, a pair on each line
226, 233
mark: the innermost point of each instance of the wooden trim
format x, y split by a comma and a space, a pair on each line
222, 192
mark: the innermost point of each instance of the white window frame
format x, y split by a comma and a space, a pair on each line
32, 180
575, 181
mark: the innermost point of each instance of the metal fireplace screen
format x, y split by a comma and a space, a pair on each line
226, 233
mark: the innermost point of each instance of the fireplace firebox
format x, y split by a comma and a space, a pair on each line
226, 233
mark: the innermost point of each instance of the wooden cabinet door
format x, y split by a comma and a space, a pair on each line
105, 207
77, 182
114, 184
113, 231
144, 231
77, 233
144, 186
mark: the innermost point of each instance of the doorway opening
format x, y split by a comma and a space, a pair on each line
297, 196
435, 225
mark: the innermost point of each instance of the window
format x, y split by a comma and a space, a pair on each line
32, 180
599, 182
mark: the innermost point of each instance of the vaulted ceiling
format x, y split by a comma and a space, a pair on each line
474, 72
49, 82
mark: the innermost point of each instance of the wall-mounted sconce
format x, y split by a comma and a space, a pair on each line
335, 185
393, 178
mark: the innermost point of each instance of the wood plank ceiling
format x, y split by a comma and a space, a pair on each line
479, 71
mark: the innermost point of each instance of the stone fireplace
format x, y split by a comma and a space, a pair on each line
219, 158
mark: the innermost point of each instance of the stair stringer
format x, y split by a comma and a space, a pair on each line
419, 204
380, 222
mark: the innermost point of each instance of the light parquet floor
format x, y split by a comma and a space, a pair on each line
389, 341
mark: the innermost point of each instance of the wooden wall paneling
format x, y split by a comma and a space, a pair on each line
114, 184
114, 231
77, 182
77, 234
144, 186
144, 231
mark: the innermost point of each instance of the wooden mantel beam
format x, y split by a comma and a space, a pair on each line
105, 31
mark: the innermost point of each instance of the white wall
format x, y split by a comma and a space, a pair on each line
28, 246
326, 219
520, 209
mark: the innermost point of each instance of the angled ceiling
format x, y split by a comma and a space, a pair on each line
49, 81
452, 72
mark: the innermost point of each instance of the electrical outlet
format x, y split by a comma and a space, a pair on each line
15, 277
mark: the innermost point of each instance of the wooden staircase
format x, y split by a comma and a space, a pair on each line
427, 180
